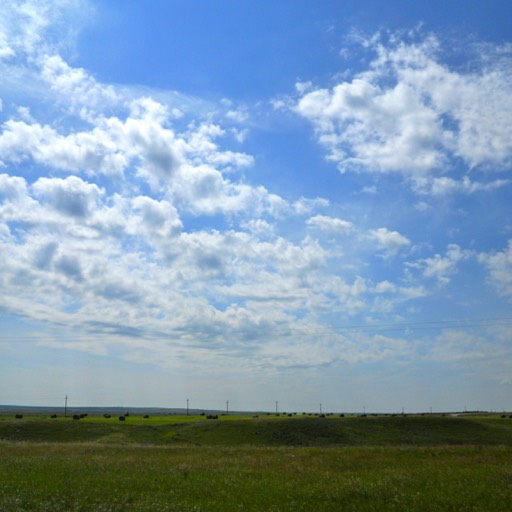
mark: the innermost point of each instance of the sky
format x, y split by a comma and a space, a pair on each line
292, 204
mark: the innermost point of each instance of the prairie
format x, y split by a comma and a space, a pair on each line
268, 463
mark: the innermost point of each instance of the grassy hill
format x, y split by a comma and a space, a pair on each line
264, 431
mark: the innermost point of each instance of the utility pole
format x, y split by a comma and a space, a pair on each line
66, 407
227, 406
320, 408
276, 406
187, 406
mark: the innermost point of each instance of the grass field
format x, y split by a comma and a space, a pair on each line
429, 463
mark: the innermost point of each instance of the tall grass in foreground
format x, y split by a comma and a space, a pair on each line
90, 477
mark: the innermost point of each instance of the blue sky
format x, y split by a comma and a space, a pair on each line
303, 202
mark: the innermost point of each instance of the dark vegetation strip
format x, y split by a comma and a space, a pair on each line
295, 431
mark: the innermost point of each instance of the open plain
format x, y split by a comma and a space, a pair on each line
264, 463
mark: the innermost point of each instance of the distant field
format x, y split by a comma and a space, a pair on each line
171, 463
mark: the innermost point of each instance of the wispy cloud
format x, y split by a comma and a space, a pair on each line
499, 266
326, 223
441, 267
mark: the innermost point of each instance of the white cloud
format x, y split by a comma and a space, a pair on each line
411, 114
202, 189
390, 297
124, 265
31, 31
385, 287
389, 241
259, 227
499, 266
306, 205
70, 196
200, 148
16, 205
144, 138
446, 185
22, 26
12, 188
326, 223
92, 152
158, 217
238, 116
76, 89
182, 163
441, 267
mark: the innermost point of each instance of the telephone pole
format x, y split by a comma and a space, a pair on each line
66, 407
227, 407
276, 406
187, 406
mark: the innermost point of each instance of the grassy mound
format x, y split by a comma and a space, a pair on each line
265, 431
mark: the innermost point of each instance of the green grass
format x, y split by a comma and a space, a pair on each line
171, 463
79, 477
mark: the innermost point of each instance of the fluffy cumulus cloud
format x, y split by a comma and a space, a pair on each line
412, 114
70, 196
389, 241
95, 216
